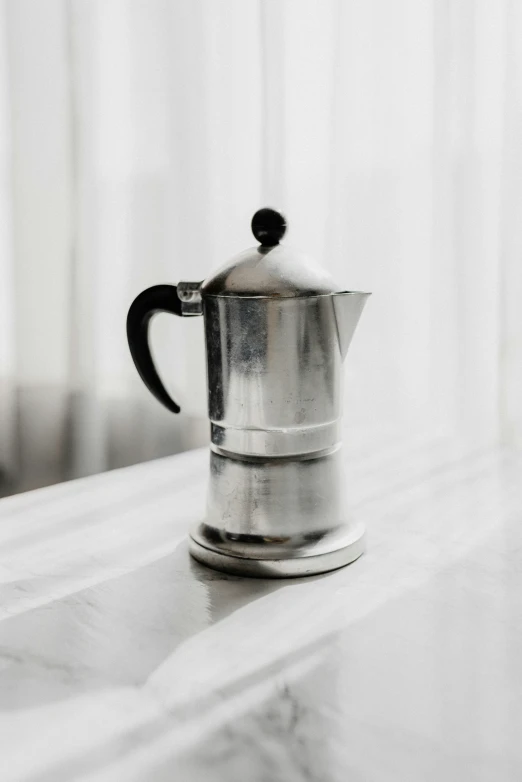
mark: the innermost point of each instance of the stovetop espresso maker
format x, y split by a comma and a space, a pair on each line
277, 331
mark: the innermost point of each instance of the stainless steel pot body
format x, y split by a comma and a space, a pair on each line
277, 517
276, 498
274, 375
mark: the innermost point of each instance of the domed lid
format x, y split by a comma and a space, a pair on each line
270, 270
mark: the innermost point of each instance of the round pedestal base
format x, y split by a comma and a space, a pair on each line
292, 564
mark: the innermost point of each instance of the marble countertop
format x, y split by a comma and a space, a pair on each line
123, 659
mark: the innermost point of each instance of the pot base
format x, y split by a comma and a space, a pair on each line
304, 561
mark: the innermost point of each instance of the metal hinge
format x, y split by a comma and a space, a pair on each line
189, 293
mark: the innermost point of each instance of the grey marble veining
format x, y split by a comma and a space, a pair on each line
123, 659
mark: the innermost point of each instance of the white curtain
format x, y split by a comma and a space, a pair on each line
139, 136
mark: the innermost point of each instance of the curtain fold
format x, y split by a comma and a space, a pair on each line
137, 140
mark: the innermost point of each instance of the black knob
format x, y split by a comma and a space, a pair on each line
268, 226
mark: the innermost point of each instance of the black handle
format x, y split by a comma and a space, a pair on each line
159, 298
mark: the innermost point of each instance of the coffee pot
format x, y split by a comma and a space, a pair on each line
277, 331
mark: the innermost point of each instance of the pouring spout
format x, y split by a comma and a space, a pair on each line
348, 307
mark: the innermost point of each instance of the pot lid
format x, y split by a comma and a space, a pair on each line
271, 269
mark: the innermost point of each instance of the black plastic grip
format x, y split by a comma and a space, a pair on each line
159, 298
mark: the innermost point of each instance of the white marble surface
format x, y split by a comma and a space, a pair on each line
122, 659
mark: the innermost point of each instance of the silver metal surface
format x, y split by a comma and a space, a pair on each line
285, 502
189, 293
279, 272
294, 441
275, 371
277, 517
277, 330
275, 504
302, 564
